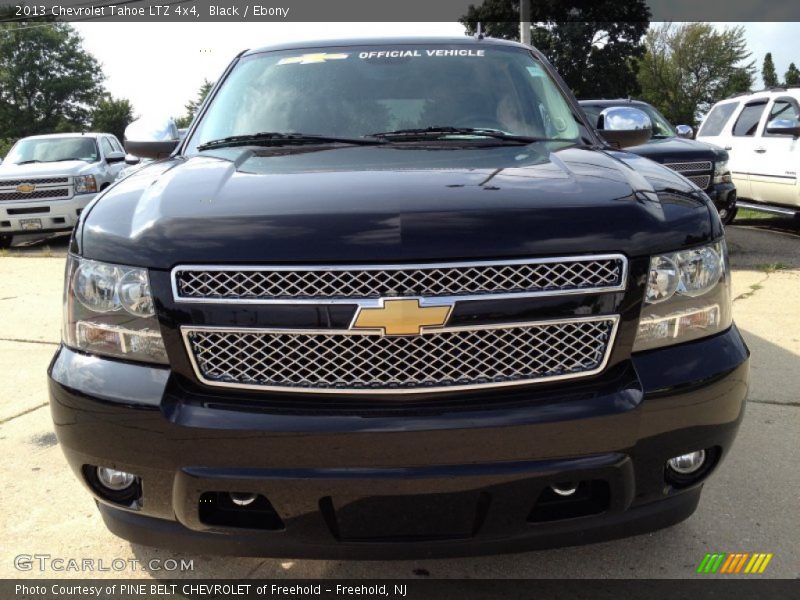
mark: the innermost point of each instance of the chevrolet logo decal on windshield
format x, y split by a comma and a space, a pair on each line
25, 188
308, 59
401, 317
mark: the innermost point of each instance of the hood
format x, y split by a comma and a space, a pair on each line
389, 203
677, 149
62, 168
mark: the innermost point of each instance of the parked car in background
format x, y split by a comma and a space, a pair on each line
47, 180
705, 165
760, 131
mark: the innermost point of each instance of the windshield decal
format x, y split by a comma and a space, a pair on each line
310, 59
420, 53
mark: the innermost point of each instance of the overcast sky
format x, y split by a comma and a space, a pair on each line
159, 66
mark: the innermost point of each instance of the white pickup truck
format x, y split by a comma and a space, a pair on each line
47, 180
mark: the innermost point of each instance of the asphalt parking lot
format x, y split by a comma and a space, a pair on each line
750, 505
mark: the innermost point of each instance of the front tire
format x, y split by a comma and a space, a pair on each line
728, 214
5, 241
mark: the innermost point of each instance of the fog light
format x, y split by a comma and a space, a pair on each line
115, 480
689, 463
240, 499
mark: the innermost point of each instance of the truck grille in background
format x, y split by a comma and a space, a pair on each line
34, 181
698, 172
356, 362
690, 167
700, 181
46, 193
258, 284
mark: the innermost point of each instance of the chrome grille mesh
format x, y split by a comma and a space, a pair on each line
454, 279
700, 181
446, 359
690, 167
38, 194
35, 181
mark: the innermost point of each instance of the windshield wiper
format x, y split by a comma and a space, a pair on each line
28, 162
278, 138
436, 132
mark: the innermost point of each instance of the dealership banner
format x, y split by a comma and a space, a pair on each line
397, 589
362, 10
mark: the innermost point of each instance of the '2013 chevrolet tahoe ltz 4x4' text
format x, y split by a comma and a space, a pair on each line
395, 298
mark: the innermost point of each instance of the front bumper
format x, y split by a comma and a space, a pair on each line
442, 480
55, 215
723, 195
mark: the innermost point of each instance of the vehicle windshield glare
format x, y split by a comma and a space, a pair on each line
53, 149
351, 92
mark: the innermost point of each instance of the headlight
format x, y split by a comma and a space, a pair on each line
722, 174
85, 184
687, 297
109, 310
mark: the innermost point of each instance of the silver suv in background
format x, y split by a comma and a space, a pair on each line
47, 180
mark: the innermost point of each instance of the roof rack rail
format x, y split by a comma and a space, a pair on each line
775, 88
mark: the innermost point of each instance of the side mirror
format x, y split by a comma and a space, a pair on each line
685, 132
624, 126
115, 157
784, 127
151, 138
130, 159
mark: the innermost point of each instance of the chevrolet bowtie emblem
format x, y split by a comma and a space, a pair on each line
401, 317
25, 188
309, 59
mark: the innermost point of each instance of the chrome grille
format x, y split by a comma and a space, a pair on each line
46, 193
332, 361
700, 181
34, 181
301, 283
690, 167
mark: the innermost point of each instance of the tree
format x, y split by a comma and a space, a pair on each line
792, 76
689, 67
193, 105
112, 115
594, 45
48, 82
768, 73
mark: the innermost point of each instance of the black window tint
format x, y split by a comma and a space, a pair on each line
783, 108
717, 118
748, 120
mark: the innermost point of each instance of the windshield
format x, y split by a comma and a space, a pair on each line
350, 92
53, 150
661, 127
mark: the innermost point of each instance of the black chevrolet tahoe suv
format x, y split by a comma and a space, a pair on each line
703, 164
395, 298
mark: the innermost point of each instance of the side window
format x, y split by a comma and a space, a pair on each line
748, 120
782, 108
106, 146
717, 118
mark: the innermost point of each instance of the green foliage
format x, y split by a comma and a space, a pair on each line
792, 76
193, 105
112, 115
768, 73
689, 67
5, 146
593, 45
48, 82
